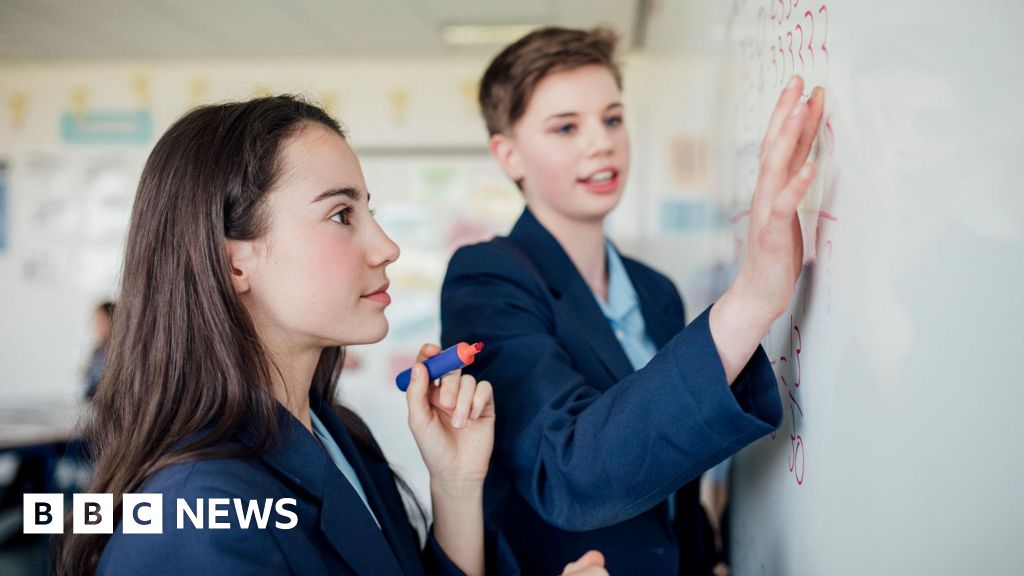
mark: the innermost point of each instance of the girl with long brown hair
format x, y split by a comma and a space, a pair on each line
252, 260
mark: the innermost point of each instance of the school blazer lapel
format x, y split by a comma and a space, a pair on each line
574, 302
344, 520
372, 476
655, 306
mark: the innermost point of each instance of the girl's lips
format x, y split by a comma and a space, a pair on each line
383, 297
380, 294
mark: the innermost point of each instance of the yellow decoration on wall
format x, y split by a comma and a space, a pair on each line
140, 86
79, 100
470, 90
16, 106
259, 91
329, 100
398, 98
197, 89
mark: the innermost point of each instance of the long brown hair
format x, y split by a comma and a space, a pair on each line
184, 356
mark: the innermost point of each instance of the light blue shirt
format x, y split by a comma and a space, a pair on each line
623, 312
340, 461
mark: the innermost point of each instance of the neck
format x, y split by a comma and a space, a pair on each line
292, 373
583, 241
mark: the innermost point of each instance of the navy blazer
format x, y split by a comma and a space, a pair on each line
335, 534
587, 451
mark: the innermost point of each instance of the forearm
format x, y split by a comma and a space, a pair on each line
459, 523
737, 322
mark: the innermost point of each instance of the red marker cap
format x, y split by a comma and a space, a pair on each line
467, 352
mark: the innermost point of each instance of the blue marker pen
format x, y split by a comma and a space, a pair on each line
453, 358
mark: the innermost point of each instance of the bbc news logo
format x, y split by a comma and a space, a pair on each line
144, 513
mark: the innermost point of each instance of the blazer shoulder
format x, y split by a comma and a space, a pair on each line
499, 257
230, 551
242, 477
499, 249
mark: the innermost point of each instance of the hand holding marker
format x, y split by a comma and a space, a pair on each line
454, 358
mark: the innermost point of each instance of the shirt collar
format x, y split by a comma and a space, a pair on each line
622, 298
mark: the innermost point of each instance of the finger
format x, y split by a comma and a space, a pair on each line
416, 396
815, 105
789, 97
467, 388
775, 163
795, 190
426, 351
450, 389
483, 400
592, 558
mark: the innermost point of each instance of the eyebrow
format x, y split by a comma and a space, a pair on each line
574, 114
351, 193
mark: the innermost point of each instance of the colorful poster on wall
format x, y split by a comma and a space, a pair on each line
3, 206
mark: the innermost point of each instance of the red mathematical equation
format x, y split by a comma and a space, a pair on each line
797, 458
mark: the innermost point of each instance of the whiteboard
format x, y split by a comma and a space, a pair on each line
900, 451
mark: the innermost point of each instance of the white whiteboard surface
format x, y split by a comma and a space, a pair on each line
899, 360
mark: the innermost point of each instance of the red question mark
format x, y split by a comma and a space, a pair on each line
810, 43
800, 51
783, 52
824, 47
792, 60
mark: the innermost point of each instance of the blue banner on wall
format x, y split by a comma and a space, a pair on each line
107, 127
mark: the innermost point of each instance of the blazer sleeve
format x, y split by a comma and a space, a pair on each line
190, 550
583, 458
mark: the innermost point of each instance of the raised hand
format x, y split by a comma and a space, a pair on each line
774, 243
766, 282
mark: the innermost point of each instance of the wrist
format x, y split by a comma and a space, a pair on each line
739, 316
458, 489
750, 304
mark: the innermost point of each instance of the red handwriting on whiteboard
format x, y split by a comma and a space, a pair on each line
792, 60
831, 140
797, 454
824, 46
800, 46
810, 42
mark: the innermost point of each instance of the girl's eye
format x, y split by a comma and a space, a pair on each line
343, 216
613, 121
566, 129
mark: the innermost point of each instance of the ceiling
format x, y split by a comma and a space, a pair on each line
40, 30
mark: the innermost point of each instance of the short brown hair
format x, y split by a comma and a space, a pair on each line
510, 80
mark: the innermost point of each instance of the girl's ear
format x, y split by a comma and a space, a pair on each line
242, 259
504, 150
